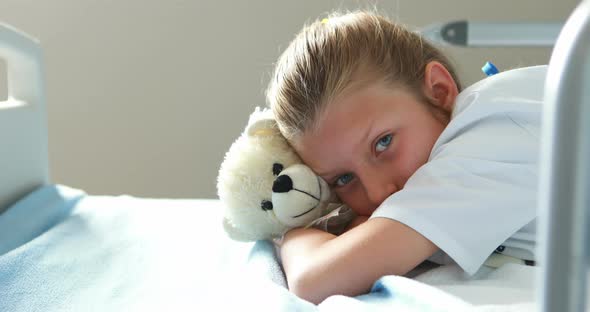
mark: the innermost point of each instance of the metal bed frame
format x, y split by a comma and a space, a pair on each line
564, 204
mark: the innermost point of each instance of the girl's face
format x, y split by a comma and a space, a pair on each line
369, 142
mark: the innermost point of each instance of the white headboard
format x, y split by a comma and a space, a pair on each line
23, 128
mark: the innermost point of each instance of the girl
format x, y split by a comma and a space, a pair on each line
432, 173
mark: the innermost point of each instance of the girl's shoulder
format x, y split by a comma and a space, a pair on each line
497, 118
503, 92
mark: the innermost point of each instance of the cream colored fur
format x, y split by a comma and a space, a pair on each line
246, 180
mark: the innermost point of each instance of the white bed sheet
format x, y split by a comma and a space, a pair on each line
61, 250
115, 254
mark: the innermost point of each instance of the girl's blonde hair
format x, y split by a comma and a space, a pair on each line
343, 52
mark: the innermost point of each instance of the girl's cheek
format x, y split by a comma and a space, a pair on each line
345, 196
353, 198
341, 194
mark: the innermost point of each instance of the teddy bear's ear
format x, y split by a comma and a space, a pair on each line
236, 234
262, 123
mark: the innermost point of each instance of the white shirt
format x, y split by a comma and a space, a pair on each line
478, 190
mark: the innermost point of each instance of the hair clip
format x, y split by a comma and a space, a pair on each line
325, 21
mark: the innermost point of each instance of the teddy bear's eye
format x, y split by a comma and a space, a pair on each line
277, 168
266, 205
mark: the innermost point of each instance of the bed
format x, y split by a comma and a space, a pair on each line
64, 250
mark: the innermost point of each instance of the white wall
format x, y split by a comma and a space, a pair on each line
145, 97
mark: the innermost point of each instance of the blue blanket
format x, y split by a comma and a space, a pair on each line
63, 250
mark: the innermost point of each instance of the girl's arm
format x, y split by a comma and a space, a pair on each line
319, 264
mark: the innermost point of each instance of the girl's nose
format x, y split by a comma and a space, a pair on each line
378, 193
379, 189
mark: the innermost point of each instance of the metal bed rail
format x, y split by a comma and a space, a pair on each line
564, 204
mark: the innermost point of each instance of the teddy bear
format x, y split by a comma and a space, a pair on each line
266, 190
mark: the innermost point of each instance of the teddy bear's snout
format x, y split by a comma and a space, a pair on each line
282, 184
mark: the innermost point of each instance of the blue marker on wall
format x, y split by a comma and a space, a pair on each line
489, 69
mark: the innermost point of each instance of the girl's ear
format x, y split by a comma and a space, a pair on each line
439, 86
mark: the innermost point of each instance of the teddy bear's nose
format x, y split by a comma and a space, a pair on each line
282, 184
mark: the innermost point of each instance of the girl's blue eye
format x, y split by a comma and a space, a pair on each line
344, 179
383, 143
